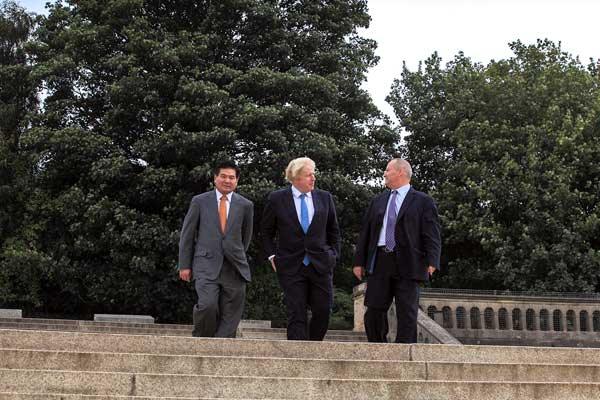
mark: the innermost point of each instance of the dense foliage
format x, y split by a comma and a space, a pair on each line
17, 99
510, 151
112, 113
143, 97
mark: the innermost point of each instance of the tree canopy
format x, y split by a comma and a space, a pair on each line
509, 150
143, 97
112, 113
17, 99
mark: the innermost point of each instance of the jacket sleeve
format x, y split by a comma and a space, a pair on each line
248, 225
268, 227
333, 229
188, 236
362, 244
430, 234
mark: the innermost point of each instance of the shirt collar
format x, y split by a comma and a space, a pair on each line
402, 190
297, 193
219, 194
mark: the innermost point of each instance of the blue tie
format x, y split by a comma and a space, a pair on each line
390, 240
304, 221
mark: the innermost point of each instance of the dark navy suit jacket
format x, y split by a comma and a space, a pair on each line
417, 234
282, 234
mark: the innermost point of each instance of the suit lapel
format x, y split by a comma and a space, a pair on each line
410, 196
290, 208
213, 209
234, 210
319, 206
381, 207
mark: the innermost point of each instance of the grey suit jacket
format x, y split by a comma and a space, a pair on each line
202, 245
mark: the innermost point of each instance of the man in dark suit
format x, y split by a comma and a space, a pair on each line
304, 221
398, 247
214, 239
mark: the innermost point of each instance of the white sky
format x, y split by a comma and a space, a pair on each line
411, 30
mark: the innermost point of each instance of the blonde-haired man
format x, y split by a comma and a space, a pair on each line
304, 221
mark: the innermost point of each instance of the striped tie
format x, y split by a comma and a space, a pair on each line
390, 240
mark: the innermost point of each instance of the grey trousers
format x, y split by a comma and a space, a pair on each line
220, 303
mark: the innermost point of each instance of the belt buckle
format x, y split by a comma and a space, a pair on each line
386, 250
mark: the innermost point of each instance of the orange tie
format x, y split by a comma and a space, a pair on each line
223, 212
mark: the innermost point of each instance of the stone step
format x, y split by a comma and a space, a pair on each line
90, 326
162, 385
256, 324
66, 396
153, 344
173, 345
96, 328
252, 329
252, 325
72, 322
283, 330
74, 325
297, 368
207, 365
283, 336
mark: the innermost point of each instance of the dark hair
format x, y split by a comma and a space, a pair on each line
226, 165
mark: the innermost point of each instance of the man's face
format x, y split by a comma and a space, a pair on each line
305, 181
226, 181
393, 175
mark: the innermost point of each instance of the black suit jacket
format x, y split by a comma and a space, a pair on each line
282, 234
417, 234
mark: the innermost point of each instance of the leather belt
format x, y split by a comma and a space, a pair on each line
384, 249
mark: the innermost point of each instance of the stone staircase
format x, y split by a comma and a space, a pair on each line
85, 360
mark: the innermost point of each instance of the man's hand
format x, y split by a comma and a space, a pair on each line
273, 264
359, 272
185, 275
431, 270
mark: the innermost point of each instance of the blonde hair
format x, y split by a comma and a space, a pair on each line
296, 166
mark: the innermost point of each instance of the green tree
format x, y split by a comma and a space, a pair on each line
509, 150
144, 96
17, 100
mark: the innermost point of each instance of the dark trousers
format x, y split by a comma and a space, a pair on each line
386, 283
307, 288
220, 303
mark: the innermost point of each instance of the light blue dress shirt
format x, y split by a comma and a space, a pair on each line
309, 204
402, 191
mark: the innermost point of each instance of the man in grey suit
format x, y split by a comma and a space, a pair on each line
214, 239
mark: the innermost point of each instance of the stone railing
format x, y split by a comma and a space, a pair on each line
489, 317
485, 317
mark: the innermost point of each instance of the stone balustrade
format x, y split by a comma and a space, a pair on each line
488, 317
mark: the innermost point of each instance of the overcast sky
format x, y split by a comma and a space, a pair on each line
411, 30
